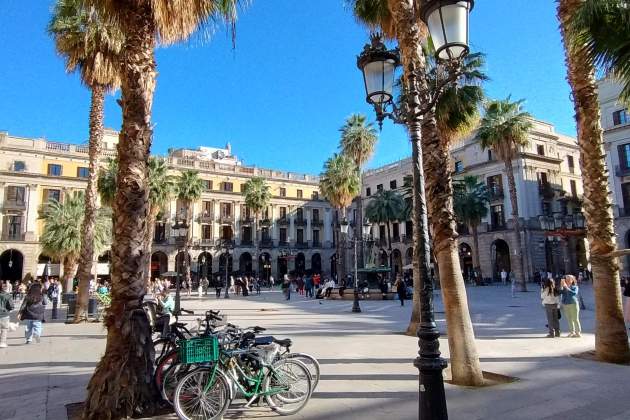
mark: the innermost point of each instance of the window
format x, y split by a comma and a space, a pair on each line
247, 235
540, 149
226, 210
625, 195
495, 185
207, 185
300, 194
368, 191
381, 233
228, 187
299, 214
315, 214
490, 154
283, 192
83, 172
283, 235
226, 233
300, 236
14, 227
409, 228
379, 187
624, 155
571, 163
54, 169
497, 218
283, 212
19, 166
50, 195
546, 208
621, 117
16, 194
395, 230
573, 188
315, 195
206, 232
459, 167
160, 232
542, 178
265, 234
392, 184
315, 236
207, 208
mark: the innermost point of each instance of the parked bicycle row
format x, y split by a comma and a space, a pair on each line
202, 371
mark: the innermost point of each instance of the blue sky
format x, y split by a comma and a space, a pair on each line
282, 94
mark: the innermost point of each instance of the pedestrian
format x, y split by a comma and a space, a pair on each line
401, 289
300, 285
329, 286
569, 290
6, 306
271, 281
286, 287
257, 285
551, 301
504, 276
32, 311
513, 284
217, 287
53, 295
245, 286
626, 296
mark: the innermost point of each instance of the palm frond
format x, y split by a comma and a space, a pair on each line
339, 183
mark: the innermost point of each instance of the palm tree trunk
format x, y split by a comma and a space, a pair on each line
69, 270
122, 382
611, 339
358, 224
148, 241
476, 263
465, 366
509, 168
392, 275
189, 235
89, 221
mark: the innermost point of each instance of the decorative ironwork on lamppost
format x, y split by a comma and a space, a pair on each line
179, 231
447, 21
355, 241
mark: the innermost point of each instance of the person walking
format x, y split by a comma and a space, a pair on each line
32, 311
53, 295
6, 306
570, 305
217, 287
286, 287
401, 289
257, 285
504, 276
551, 301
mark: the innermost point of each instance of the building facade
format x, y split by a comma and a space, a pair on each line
615, 119
295, 233
548, 184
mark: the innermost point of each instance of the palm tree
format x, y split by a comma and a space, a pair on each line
61, 236
161, 189
92, 47
470, 202
358, 140
398, 19
143, 23
601, 28
386, 207
611, 340
339, 185
257, 198
504, 129
189, 187
106, 184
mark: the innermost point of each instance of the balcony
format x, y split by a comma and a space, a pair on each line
396, 239
265, 222
266, 243
12, 236
300, 221
160, 240
546, 190
206, 217
301, 245
621, 171
15, 204
317, 222
382, 242
247, 220
495, 193
497, 227
283, 243
247, 242
317, 244
283, 221
224, 243
227, 219
407, 238
206, 242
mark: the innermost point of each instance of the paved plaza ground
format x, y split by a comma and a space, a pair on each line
367, 370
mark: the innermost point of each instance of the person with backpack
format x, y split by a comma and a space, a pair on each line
551, 301
401, 289
32, 312
6, 306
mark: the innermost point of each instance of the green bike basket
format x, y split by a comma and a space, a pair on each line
199, 350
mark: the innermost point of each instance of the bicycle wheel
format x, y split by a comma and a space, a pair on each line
310, 362
196, 399
171, 378
289, 386
167, 361
162, 347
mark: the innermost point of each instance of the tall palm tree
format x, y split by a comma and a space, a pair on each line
143, 23
106, 184
504, 128
339, 184
611, 339
189, 186
257, 198
386, 207
470, 202
400, 20
161, 189
61, 236
92, 47
601, 28
358, 139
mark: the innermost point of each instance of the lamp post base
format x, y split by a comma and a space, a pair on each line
355, 305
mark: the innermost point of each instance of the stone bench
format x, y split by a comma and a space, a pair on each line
374, 294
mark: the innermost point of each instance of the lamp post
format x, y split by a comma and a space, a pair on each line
447, 21
355, 241
179, 231
228, 251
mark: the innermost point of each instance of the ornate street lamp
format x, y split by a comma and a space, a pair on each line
179, 231
447, 21
578, 219
228, 255
558, 220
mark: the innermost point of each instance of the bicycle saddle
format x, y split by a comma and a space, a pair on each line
286, 342
261, 341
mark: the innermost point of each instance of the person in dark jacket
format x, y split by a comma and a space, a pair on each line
401, 289
6, 306
32, 311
